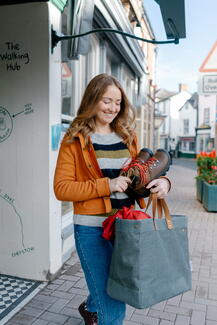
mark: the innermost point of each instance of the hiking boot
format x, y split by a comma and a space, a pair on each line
143, 156
142, 174
90, 318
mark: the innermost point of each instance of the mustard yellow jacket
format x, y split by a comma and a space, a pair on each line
79, 179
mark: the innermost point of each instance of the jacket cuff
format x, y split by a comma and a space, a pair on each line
102, 186
167, 180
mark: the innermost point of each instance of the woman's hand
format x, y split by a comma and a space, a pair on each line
160, 186
119, 184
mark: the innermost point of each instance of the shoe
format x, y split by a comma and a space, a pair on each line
143, 156
90, 318
143, 173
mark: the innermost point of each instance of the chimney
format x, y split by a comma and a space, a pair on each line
183, 87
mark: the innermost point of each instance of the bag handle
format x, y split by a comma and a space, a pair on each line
161, 206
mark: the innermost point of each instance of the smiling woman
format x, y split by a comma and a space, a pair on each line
99, 141
107, 109
104, 102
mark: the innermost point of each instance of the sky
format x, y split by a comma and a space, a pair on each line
180, 63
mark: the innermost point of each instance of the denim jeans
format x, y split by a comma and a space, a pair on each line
95, 256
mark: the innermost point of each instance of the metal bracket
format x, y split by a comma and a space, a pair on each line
56, 38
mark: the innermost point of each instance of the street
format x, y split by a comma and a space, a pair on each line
57, 303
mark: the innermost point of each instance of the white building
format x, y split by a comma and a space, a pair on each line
36, 233
168, 104
207, 105
187, 127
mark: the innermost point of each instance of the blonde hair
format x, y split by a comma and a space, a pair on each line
84, 122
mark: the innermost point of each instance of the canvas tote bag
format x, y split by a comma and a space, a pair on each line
150, 261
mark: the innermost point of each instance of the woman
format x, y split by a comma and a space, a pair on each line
99, 141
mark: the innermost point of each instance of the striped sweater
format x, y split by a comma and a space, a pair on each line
111, 155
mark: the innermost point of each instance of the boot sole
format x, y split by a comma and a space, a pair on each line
167, 166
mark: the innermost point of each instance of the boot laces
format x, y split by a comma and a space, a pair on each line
140, 168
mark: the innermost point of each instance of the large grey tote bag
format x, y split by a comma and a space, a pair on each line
150, 261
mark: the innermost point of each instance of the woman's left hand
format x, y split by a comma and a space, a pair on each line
160, 186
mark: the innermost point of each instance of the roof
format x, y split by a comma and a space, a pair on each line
163, 94
193, 100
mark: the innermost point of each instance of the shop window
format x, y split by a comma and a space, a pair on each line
75, 76
184, 146
93, 59
192, 146
201, 144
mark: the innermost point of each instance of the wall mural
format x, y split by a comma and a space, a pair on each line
6, 120
13, 59
6, 124
7, 198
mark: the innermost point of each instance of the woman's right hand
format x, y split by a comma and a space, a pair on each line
119, 184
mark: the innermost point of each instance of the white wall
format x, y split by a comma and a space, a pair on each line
177, 101
30, 234
190, 113
207, 101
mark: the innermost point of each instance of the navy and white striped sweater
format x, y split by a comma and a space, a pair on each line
111, 154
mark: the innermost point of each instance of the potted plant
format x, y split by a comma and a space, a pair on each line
206, 172
209, 198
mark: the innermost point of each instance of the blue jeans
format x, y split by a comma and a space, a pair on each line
95, 256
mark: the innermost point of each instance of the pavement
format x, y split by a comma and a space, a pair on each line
57, 303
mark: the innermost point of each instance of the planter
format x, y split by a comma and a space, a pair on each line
199, 187
210, 197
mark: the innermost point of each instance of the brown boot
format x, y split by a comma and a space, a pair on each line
144, 173
90, 318
143, 156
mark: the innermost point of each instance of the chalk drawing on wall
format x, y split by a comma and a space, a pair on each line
6, 124
28, 109
10, 201
13, 57
6, 120
19, 252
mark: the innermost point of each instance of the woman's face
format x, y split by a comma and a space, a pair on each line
108, 107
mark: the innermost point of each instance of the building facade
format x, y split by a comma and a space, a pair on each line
39, 98
207, 105
188, 117
168, 105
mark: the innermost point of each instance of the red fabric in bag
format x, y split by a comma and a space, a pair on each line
125, 213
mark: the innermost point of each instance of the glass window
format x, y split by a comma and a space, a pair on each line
186, 126
66, 86
201, 143
164, 127
192, 146
184, 145
206, 117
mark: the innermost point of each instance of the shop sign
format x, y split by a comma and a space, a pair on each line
209, 84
